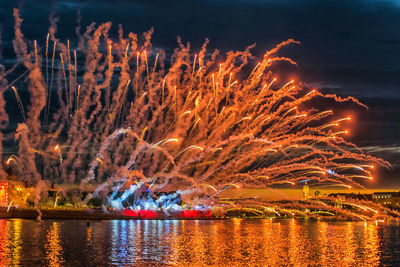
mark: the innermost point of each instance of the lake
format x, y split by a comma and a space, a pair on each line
197, 242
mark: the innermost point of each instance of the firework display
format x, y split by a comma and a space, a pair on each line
140, 123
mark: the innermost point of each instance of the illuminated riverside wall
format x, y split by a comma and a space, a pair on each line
272, 194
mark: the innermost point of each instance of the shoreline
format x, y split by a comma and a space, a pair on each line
97, 214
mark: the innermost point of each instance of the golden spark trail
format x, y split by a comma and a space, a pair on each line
21, 107
36, 54
66, 86
47, 111
47, 64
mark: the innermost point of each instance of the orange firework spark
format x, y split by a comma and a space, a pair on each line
182, 124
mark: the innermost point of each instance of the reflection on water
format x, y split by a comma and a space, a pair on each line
4, 243
221, 242
53, 247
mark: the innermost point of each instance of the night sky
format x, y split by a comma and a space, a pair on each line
348, 47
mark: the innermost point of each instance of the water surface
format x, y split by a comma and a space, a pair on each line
221, 242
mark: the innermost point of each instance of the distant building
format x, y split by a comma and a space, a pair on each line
306, 191
352, 196
3, 194
384, 195
13, 192
339, 202
387, 198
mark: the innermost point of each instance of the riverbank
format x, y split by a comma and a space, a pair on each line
98, 214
